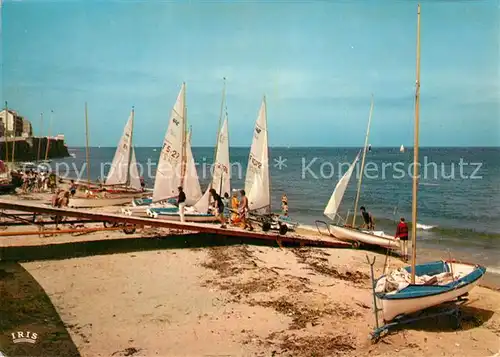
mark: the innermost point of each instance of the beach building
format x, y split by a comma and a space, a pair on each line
12, 123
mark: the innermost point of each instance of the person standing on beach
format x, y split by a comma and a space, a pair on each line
220, 207
402, 235
234, 206
227, 210
284, 205
143, 183
72, 188
244, 209
181, 202
368, 218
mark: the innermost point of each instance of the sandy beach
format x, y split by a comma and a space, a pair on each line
244, 300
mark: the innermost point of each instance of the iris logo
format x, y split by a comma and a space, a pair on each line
24, 337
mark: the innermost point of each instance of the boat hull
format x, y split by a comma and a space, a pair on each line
393, 307
353, 235
98, 202
142, 211
188, 217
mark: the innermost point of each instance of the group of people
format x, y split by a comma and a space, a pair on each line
34, 181
238, 213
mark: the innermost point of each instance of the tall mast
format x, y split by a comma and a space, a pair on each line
48, 137
130, 148
39, 139
13, 141
184, 132
267, 151
362, 165
219, 127
415, 158
87, 143
5, 134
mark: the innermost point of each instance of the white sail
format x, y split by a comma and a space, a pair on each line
191, 183
134, 178
168, 175
257, 177
402, 149
221, 179
337, 195
118, 173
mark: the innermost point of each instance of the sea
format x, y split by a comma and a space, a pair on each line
458, 192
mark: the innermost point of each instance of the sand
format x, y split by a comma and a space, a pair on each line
245, 301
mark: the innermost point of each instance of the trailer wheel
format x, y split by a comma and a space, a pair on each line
266, 226
283, 229
355, 245
129, 230
109, 224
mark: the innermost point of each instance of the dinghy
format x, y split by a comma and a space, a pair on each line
175, 156
200, 211
343, 231
123, 179
435, 283
418, 287
339, 227
257, 179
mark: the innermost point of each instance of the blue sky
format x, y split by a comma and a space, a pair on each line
317, 62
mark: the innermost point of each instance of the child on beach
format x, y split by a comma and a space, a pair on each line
284, 205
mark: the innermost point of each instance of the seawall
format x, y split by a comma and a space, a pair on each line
29, 149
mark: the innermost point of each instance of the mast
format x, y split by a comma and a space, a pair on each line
48, 137
267, 153
13, 141
362, 165
219, 127
87, 143
415, 158
5, 136
127, 183
39, 139
184, 134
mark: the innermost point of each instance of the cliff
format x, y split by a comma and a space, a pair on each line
27, 149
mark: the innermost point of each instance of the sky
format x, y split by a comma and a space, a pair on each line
317, 62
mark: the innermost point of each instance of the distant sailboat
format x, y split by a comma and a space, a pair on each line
402, 149
369, 147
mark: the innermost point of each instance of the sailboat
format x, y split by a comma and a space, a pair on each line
402, 149
342, 230
257, 179
123, 177
200, 211
421, 286
176, 166
257, 182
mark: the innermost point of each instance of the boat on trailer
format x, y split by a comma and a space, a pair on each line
436, 283
201, 211
409, 290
